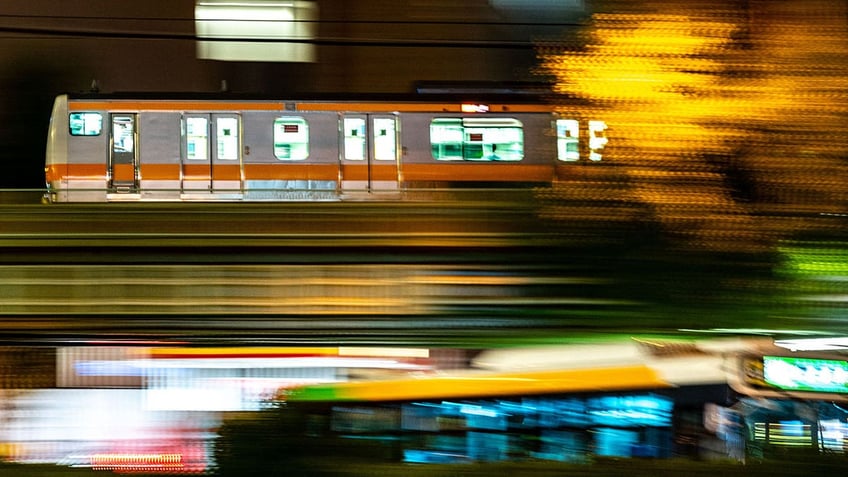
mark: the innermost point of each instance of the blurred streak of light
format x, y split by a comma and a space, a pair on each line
385, 352
260, 363
755, 331
375, 290
814, 344
818, 272
288, 351
313, 306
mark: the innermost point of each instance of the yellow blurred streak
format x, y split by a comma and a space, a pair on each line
389, 352
469, 384
240, 351
732, 112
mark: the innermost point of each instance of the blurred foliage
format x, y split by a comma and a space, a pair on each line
727, 142
726, 121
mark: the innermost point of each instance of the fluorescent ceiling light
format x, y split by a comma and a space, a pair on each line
256, 30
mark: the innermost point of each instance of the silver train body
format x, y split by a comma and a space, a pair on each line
104, 148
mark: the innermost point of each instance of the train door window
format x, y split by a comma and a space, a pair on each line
385, 139
123, 133
568, 142
493, 139
197, 138
354, 138
446, 139
123, 165
291, 138
227, 136
85, 124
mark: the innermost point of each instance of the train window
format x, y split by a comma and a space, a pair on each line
446, 139
597, 139
197, 138
354, 138
227, 138
122, 133
568, 133
477, 139
291, 138
385, 143
85, 124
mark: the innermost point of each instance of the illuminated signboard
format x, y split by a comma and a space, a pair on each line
806, 374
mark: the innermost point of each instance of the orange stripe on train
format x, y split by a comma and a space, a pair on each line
514, 172
292, 171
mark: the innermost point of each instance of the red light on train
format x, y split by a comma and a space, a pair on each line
475, 108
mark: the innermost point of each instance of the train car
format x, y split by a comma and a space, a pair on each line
722, 399
121, 147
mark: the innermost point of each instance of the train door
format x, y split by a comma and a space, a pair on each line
123, 157
196, 159
369, 155
211, 159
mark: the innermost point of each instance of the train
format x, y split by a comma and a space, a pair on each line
105, 147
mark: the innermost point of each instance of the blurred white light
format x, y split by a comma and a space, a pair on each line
279, 363
384, 352
814, 344
237, 29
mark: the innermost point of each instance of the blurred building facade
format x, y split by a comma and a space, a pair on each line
157, 409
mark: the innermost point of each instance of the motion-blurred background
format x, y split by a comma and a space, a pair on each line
719, 206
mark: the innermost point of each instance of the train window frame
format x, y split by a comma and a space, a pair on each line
477, 139
297, 150
85, 130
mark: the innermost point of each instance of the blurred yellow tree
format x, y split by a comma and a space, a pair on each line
724, 121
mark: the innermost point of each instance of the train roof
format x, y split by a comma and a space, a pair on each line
329, 97
455, 102
432, 93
